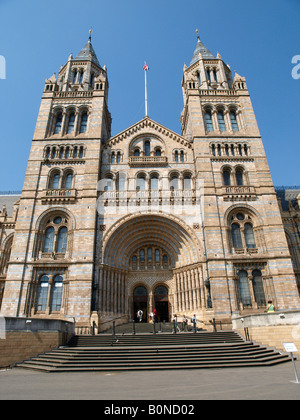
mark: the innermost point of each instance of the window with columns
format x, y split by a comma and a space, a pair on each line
150, 257
242, 232
251, 287
49, 293
68, 121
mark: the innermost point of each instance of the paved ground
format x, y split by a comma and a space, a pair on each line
267, 383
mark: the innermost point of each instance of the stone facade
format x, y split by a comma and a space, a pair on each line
182, 223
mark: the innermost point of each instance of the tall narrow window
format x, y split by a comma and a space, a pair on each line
58, 123
49, 239
149, 254
55, 182
83, 124
239, 175
249, 236
81, 152
121, 182
141, 182
136, 152
157, 255
68, 181
62, 240
74, 76
42, 294
56, 298
176, 156
118, 157
208, 121
142, 255
226, 177
71, 123
244, 288
258, 288
233, 120
147, 148
221, 121
182, 156
92, 79
236, 236
81, 77
113, 157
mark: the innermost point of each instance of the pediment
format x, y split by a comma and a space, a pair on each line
147, 126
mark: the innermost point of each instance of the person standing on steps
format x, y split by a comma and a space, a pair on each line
140, 315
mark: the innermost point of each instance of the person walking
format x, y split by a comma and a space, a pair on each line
140, 315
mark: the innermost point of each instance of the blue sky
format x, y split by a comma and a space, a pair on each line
256, 38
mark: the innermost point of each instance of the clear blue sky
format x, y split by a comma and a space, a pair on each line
257, 38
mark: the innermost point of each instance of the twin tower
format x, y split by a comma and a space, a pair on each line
147, 219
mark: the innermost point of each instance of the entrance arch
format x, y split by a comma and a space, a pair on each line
143, 250
140, 302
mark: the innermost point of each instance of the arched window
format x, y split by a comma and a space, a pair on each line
158, 152
74, 76
176, 156
174, 182
239, 176
118, 157
42, 293
244, 288
249, 236
221, 120
226, 177
141, 182
81, 152
233, 120
236, 236
149, 254
68, 180
109, 184
258, 288
83, 123
92, 79
208, 121
49, 239
58, 123
154, 182
187, 182
61, 152
113, 157
55, 181
57, 289
182, 156
147, 148
62, 240
75, 152
71, 123
136, 152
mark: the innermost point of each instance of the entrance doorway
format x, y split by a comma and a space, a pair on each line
140, 301
161, 303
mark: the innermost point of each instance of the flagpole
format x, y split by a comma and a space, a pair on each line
146, 96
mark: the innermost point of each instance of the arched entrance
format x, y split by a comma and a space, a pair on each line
161, 303
140, 301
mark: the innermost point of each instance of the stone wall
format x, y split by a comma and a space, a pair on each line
271, 329
22, 338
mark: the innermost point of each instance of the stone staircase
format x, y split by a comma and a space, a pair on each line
146, 351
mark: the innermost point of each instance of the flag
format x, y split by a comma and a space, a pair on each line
146, 67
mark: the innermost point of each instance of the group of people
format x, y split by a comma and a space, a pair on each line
184, 322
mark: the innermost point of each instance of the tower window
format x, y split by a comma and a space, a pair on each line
226, 177
58, 123
239, 174
56, 298
233, 120
74, 76
62, 240
49, 239
83, 124
221, 121
208, 121
71, 123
